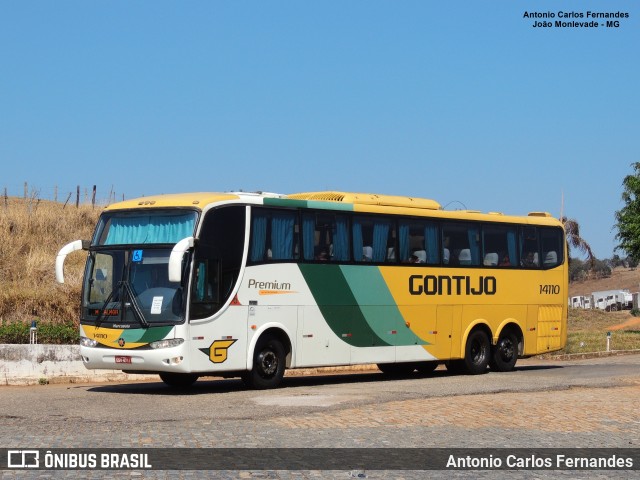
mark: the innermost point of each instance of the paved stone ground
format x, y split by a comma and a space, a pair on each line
542, 411
588, 403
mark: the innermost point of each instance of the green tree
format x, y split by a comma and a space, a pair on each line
578, 270
601, 269
616, 261
574, 240
628, 217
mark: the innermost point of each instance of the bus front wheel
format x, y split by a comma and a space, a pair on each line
477, 352
178, 380
268, 364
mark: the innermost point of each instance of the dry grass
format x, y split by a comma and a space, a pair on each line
31, 233
620, 279
588, 328
588, 331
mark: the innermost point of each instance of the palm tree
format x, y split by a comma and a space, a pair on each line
572, 231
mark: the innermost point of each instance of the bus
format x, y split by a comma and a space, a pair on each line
250, 284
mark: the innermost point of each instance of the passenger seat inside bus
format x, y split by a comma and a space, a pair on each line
491, 259
421, 255
464, 258
550, 259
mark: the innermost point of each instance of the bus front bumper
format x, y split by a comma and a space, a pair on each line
160, 360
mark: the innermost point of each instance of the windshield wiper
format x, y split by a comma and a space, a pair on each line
137, 311
104, 305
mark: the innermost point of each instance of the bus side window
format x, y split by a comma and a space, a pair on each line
420, 237
273, 235
217, 258
205, 289
499, 243
529, 247
551, 239
205, 286
325, 237
463, 242
374, 237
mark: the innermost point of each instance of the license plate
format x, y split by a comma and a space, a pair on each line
123, 359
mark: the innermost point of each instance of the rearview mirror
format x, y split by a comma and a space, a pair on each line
62, 255
175, 259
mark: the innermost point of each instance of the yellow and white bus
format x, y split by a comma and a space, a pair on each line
250, 284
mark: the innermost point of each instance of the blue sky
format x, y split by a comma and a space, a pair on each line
460, 101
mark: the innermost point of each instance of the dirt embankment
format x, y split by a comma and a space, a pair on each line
620, 279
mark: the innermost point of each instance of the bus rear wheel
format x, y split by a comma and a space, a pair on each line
178, 380
505, 353
477, 352
268, 364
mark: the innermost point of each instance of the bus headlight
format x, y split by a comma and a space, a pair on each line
168, 343
88, 342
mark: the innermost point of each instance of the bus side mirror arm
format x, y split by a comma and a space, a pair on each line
62, 255
175, 259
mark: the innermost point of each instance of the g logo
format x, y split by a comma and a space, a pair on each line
218, 350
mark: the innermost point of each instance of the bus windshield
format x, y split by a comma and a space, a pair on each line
131, 286
126, 278
144, 227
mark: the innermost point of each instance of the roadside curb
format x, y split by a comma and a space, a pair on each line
43, 364
58, 364
587, 355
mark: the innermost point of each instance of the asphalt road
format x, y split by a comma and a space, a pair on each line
542, 404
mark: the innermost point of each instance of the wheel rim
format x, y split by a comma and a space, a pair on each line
478, 352
268, 363
506, 349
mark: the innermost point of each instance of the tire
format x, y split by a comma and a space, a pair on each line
477, 352
268, 364
178, 380
397, 369
426, 368
505, 353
